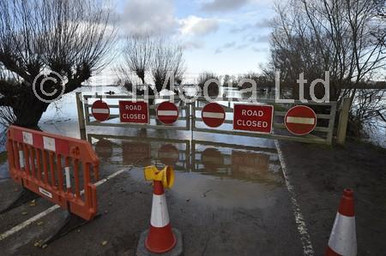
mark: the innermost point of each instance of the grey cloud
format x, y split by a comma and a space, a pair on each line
193, 45
242, 46
240, 29
223, 5
218, 50
148, 17
261, 24
228, 45
198, 26
264, 23
259, 39
256, 49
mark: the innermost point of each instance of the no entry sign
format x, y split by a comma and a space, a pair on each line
300, 120
134, 112
254, 118
100, 110
213, 115
167, 112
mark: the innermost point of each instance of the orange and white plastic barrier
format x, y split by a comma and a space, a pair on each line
343, 235
160, 237
55, 167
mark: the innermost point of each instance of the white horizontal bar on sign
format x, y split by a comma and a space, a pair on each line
167, 113
100, 111
300, 120
213, 115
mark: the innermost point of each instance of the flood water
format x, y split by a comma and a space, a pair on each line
206, 165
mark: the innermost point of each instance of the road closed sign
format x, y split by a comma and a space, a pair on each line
134, 112
253, 118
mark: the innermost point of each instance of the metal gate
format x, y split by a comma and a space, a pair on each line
190, 118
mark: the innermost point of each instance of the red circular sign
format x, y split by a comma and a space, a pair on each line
100, 110
213, 114
300, 120
168, 154
167, 112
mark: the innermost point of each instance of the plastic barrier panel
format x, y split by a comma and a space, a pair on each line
57, 168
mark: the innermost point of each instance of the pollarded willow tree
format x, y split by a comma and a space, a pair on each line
137, 53
167, 65
48, 47
151, 58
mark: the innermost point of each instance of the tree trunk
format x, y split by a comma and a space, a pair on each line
28, 111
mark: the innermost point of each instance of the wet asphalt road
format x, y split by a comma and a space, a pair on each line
227, 199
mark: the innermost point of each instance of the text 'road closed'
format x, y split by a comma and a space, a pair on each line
256, 118
134, 112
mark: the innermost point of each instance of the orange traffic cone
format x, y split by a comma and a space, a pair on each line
343, 239
160, 238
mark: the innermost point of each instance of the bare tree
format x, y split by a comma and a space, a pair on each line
344, 37
137, 53
213, 87
144, 54
68, 38
167, 64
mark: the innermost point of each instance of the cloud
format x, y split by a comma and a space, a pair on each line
228, 45
223, 5
242, 46
259, 39
261, 24
148, 17
198, 26
256, 49
193, 45
264, 23
240, 29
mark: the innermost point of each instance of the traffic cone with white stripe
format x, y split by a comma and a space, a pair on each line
343, 239
160, 238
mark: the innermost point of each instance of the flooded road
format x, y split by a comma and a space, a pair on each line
229, 197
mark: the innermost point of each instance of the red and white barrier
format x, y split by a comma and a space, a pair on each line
38, 140
36, 160
160, 238
343, 235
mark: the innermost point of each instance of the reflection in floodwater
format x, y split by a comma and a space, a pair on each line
218, 160
209, 175
136, 152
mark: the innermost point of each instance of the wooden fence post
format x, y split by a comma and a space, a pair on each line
82, 126
343, 120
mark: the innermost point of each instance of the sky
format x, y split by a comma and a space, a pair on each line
220, 36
